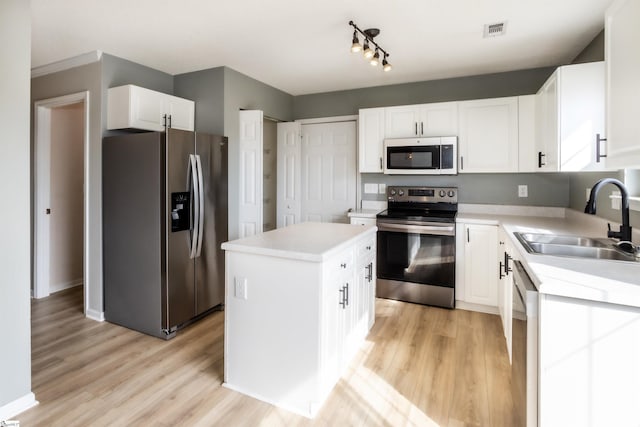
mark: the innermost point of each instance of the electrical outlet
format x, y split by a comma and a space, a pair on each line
616, 200
523, 191
240, 288
588, 194
382, 188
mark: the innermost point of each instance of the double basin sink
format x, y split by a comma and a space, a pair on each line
573, 246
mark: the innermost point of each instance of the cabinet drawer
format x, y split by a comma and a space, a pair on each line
341, 264
366, 249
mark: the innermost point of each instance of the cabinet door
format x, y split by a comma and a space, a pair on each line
147, 109
581, 115
488, 135
480, 264
438, 119
546, 153
182, 112
622, 58
370, 140
401, 122
527, 160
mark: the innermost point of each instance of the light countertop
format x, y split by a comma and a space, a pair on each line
307, 241
608, 281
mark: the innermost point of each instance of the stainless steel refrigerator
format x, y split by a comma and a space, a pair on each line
164, 198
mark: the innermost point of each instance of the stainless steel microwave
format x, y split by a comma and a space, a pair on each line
421, 156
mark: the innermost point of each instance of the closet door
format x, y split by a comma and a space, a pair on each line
328, 171
250, 174
288, 176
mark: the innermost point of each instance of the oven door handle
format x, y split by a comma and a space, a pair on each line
418, 229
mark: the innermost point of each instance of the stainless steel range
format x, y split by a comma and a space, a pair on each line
416, 245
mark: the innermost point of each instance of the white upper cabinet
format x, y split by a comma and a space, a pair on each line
527, 161
135, 107
437, 119
488, 135
570, 117
370, 140
622, 54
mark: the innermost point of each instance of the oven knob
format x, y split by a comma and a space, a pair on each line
400, 192
392, 192
451, 193
442, 193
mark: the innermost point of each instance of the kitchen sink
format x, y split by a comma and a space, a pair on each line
573, 246
564, 240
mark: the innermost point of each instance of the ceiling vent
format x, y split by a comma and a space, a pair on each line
493, 30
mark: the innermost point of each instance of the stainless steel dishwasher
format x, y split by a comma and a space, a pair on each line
524, 366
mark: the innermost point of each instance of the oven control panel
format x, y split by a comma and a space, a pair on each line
396, 194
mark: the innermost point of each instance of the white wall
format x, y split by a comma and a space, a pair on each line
66, 222
15, 275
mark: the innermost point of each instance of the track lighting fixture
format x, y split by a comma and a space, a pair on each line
372, 56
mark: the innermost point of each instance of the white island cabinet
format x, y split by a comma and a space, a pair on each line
296, 310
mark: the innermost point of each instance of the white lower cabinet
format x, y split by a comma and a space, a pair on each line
477, 265
589, 370
292, 326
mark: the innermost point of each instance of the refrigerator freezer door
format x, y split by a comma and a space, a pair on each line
212, 151
179, 295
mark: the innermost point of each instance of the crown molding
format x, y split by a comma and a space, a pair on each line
65, 64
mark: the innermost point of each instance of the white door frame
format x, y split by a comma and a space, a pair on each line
42, 172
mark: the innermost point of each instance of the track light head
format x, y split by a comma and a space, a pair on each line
375, 59
355, 46
385, 65
368, 52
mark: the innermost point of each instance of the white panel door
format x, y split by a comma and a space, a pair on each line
288, 178
328, 171
250, 174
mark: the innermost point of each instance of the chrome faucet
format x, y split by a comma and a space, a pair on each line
625, 229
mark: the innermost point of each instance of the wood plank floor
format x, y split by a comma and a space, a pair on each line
420, 366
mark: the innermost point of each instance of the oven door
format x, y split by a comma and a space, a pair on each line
418, 253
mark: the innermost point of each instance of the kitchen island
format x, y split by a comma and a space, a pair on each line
299, 303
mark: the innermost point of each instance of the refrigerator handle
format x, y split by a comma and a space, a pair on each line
201, 205
196, 205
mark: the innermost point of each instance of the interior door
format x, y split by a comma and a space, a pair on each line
288, 179
328, 176
250, 174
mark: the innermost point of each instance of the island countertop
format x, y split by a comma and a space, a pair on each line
307, 241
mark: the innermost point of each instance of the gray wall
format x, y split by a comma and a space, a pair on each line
206, 88
80, 79
348, 102
545, 189
593, 52
15, 266
243, 92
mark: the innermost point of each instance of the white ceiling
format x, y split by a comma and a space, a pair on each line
302, 46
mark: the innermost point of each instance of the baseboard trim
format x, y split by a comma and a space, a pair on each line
62, 286
476, 307
18, 406
95, 315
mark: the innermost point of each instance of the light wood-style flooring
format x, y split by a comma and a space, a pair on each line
420, 366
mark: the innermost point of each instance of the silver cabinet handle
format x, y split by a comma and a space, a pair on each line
421, 128
416, 124
380, 162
